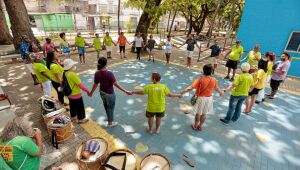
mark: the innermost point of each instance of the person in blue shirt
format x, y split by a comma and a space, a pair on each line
25, 55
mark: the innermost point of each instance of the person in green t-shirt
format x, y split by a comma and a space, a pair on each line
43, 75
26, 150
156, 100
97, 45
107, 42
252, 58
240, 89
80, 44
235, 55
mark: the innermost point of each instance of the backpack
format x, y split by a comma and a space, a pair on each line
66, 89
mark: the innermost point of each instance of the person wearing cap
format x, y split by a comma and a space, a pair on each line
252, 58
77, 109
240, 90
235, 56
24, 50
80, 44
107, 42
43, 74
107, 81
97, 45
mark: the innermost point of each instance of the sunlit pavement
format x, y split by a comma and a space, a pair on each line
266, 139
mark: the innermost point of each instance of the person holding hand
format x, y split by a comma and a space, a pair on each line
157, 93
204, 86
107, 81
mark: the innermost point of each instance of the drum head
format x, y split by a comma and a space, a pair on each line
117, 161
155, 162
97, 155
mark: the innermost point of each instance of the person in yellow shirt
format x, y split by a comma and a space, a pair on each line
156, 100
80, 44
259, 79
56, 71
97, 45
252, 58
271, 59
43, 75
107, 42
235, 56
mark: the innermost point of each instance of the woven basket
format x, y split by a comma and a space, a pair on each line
155, 161
117, 162
95, 160
62, 133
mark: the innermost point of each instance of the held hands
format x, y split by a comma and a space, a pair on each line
128, 92
89, 94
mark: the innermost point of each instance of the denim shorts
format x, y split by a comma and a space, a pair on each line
81, 50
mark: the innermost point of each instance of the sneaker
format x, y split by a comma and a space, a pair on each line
153, 60
83, 121
224, 121
232, 79
263, 99
257, 102
227, 77
112, 125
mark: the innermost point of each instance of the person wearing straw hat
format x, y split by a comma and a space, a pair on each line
43, 74
80, 44
241, 87
77, 109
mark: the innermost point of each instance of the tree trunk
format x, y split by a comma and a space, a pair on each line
170, 30
119, 3
169, 21
19, 22
146, 19
5, 37
191, 23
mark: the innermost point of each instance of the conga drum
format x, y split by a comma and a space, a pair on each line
155, 161
121, 159
95, 160
62, 133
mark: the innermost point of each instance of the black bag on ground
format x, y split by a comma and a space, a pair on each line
66, 89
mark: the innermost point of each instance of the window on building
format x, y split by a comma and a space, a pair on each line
293, 44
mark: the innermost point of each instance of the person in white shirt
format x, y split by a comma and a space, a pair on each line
168, 48
139, 43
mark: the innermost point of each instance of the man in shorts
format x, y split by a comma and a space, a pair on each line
214, 55
107, 42
191, 42
156, 100
235, 56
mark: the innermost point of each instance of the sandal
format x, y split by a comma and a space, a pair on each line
193, 127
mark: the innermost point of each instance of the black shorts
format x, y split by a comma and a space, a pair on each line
254, 91
122, 48
156, 114
231, 64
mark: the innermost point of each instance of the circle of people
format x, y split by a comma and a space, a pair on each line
257, 72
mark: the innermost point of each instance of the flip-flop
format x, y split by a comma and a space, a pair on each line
199, 129
193, 127
190, 163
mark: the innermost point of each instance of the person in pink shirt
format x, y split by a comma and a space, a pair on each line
48, 46
77, 109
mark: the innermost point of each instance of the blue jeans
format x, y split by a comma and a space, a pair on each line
109, 101
235, 108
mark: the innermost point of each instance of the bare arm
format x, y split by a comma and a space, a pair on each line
217, 88
121, 87
58, 77
140, 92
186, 90
93, 89
230, 87
38, 140
174, 95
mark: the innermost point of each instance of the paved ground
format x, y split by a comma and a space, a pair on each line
233, 146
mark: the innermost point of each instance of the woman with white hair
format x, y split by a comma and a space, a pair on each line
26, 147
241, 87
77, 110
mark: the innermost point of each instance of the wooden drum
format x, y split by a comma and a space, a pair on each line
62, 133
117, 160
155, 161
95, 160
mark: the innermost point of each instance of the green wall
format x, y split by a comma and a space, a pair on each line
57, 22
